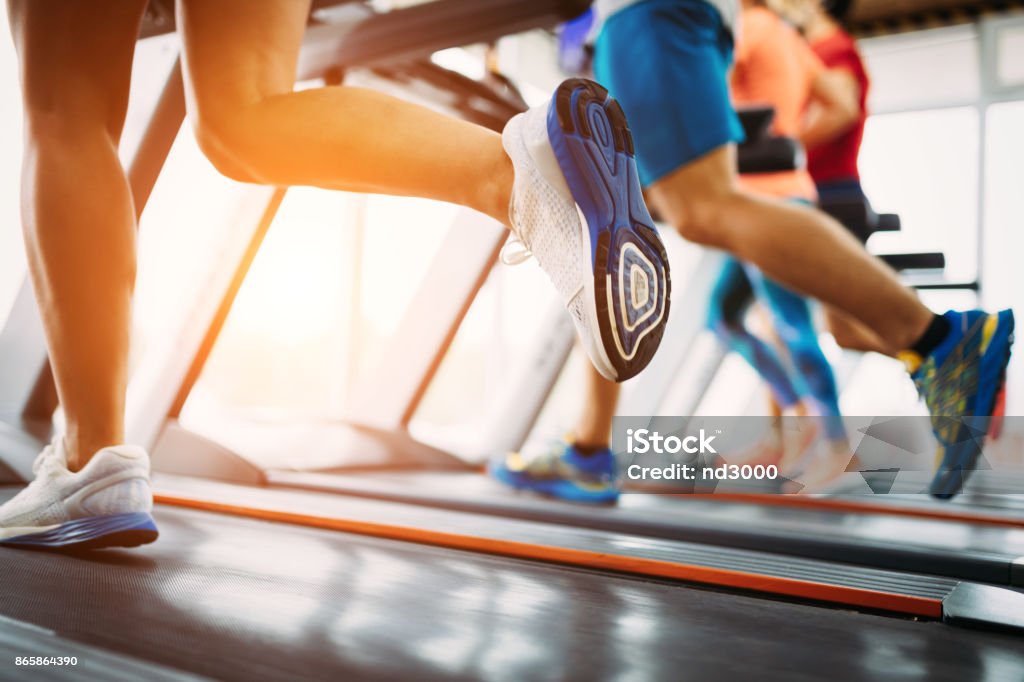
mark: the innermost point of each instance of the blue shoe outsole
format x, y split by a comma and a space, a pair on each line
960, 457
594, 148
559, 488
94, 532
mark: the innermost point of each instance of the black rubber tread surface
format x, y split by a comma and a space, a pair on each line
940, 548
594, 540
91, 663
237, 599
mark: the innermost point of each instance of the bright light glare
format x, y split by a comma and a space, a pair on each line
924, 166
461, 60
12, 252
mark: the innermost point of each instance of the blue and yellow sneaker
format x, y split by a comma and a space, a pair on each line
962, 382
563, 473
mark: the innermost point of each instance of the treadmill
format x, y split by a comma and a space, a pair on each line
264, 574
383, 461
228, 598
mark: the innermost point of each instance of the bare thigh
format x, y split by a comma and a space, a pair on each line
690, 197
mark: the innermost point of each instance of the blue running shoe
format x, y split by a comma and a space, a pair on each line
962, 382
105, 504
563, 473
577, 207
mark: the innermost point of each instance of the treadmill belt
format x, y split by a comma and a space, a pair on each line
239, 599
20, 640
965, 551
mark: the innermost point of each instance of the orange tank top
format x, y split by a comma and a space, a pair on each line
775, 66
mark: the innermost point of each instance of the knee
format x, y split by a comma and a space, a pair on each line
72, 106
699, 219
64, 128
222, 134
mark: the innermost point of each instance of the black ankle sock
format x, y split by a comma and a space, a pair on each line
934, 335
587, 450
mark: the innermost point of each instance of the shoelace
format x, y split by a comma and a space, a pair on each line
50, 454
943, 388
515, 252
42, 458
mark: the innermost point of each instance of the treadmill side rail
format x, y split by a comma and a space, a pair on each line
984, 606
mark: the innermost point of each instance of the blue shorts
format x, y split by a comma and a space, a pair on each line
666, 62
839, 189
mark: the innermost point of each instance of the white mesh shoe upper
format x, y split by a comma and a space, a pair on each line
115, 481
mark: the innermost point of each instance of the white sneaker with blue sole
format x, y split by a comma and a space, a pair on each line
105, 504
578, 208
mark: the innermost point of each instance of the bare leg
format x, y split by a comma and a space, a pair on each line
240, 59
79, 222
594, 428
799, 247
851, 334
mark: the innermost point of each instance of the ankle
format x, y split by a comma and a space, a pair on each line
79, 450
496, 191
911, 333
589, 446
936, 332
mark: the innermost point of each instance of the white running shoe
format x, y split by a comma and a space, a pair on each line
105, 504
577, 207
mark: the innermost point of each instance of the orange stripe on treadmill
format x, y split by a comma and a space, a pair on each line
835, 505
851, 596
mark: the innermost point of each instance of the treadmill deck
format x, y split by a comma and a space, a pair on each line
238, 599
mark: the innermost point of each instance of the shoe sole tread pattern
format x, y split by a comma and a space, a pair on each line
594, 148
963, 455
94, 532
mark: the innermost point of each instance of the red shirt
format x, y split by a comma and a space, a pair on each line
837, 159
